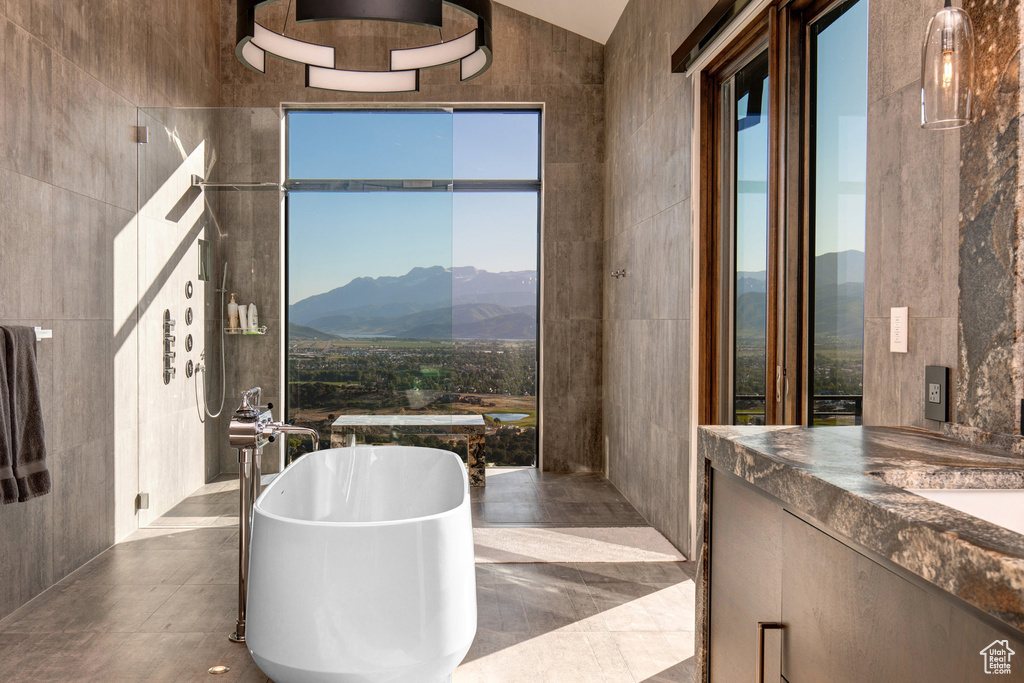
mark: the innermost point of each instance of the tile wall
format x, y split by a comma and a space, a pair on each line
72, 75
913, 202
648, 232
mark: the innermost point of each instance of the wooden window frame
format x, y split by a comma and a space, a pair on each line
786, 28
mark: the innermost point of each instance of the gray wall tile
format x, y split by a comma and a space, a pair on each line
72, 75
647, 232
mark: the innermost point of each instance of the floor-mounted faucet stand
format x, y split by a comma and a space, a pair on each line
248, 475
252, 427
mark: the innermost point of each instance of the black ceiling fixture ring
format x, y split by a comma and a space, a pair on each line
424, 13
472, 50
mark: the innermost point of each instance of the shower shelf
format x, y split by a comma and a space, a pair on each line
257, 332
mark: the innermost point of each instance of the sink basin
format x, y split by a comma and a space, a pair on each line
1003, 507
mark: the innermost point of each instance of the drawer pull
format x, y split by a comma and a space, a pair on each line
762, 626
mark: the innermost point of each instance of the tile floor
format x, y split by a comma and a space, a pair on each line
159, 605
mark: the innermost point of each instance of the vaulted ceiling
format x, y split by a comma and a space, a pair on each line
593, 19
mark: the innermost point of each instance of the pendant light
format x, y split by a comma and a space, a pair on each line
947, 70
472, 51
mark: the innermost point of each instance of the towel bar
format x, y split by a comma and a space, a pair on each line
43, 334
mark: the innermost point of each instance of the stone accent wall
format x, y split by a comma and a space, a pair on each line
991, 329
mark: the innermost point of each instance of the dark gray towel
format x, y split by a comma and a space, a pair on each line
24, 416
8, 484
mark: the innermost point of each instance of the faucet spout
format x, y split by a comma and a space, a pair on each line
275, 428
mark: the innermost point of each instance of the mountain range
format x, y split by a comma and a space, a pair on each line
838, 297
436, 302
469, 303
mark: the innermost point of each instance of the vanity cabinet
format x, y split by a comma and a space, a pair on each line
845, 616
746, 580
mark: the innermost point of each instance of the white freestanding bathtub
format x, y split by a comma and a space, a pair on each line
361, 568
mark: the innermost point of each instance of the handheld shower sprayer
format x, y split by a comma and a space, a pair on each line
204, 409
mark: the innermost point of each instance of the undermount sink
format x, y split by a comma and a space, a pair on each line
1003, 507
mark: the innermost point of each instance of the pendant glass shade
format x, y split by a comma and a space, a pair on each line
947, 70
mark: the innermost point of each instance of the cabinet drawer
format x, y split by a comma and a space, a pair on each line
850, 619
746, 580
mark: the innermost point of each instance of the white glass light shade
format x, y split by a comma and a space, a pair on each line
434, 55
361, 81
293, 50
253, 57
947, 70
475, 64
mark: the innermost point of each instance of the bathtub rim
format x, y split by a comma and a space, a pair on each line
258, 505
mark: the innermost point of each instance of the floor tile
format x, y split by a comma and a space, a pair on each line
122, 564
160, 605
179, 539
196, 609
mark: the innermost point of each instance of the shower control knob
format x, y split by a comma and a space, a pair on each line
272, 438
270, 406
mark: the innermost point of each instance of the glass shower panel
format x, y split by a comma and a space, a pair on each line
169, 299
750, 239
157, 258
840, 71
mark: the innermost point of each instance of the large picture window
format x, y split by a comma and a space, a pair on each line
412, 270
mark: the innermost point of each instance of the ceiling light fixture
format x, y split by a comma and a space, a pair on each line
947, 70
472, 51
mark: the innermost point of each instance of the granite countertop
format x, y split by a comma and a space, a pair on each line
849, 479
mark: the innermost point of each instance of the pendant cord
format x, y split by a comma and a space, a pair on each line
288, 12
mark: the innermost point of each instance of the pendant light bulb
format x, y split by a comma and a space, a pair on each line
947, 70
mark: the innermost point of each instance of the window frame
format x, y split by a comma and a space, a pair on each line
786, 27
814, 13
296, 185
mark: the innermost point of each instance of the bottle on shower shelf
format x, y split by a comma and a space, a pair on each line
233, 322
243, 318
254, 319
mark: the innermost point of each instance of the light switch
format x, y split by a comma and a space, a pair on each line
899, 319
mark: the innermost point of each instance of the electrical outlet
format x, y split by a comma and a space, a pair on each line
936, 406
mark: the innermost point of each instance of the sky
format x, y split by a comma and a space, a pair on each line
840, 153
752, 185
842, 133
336, 237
